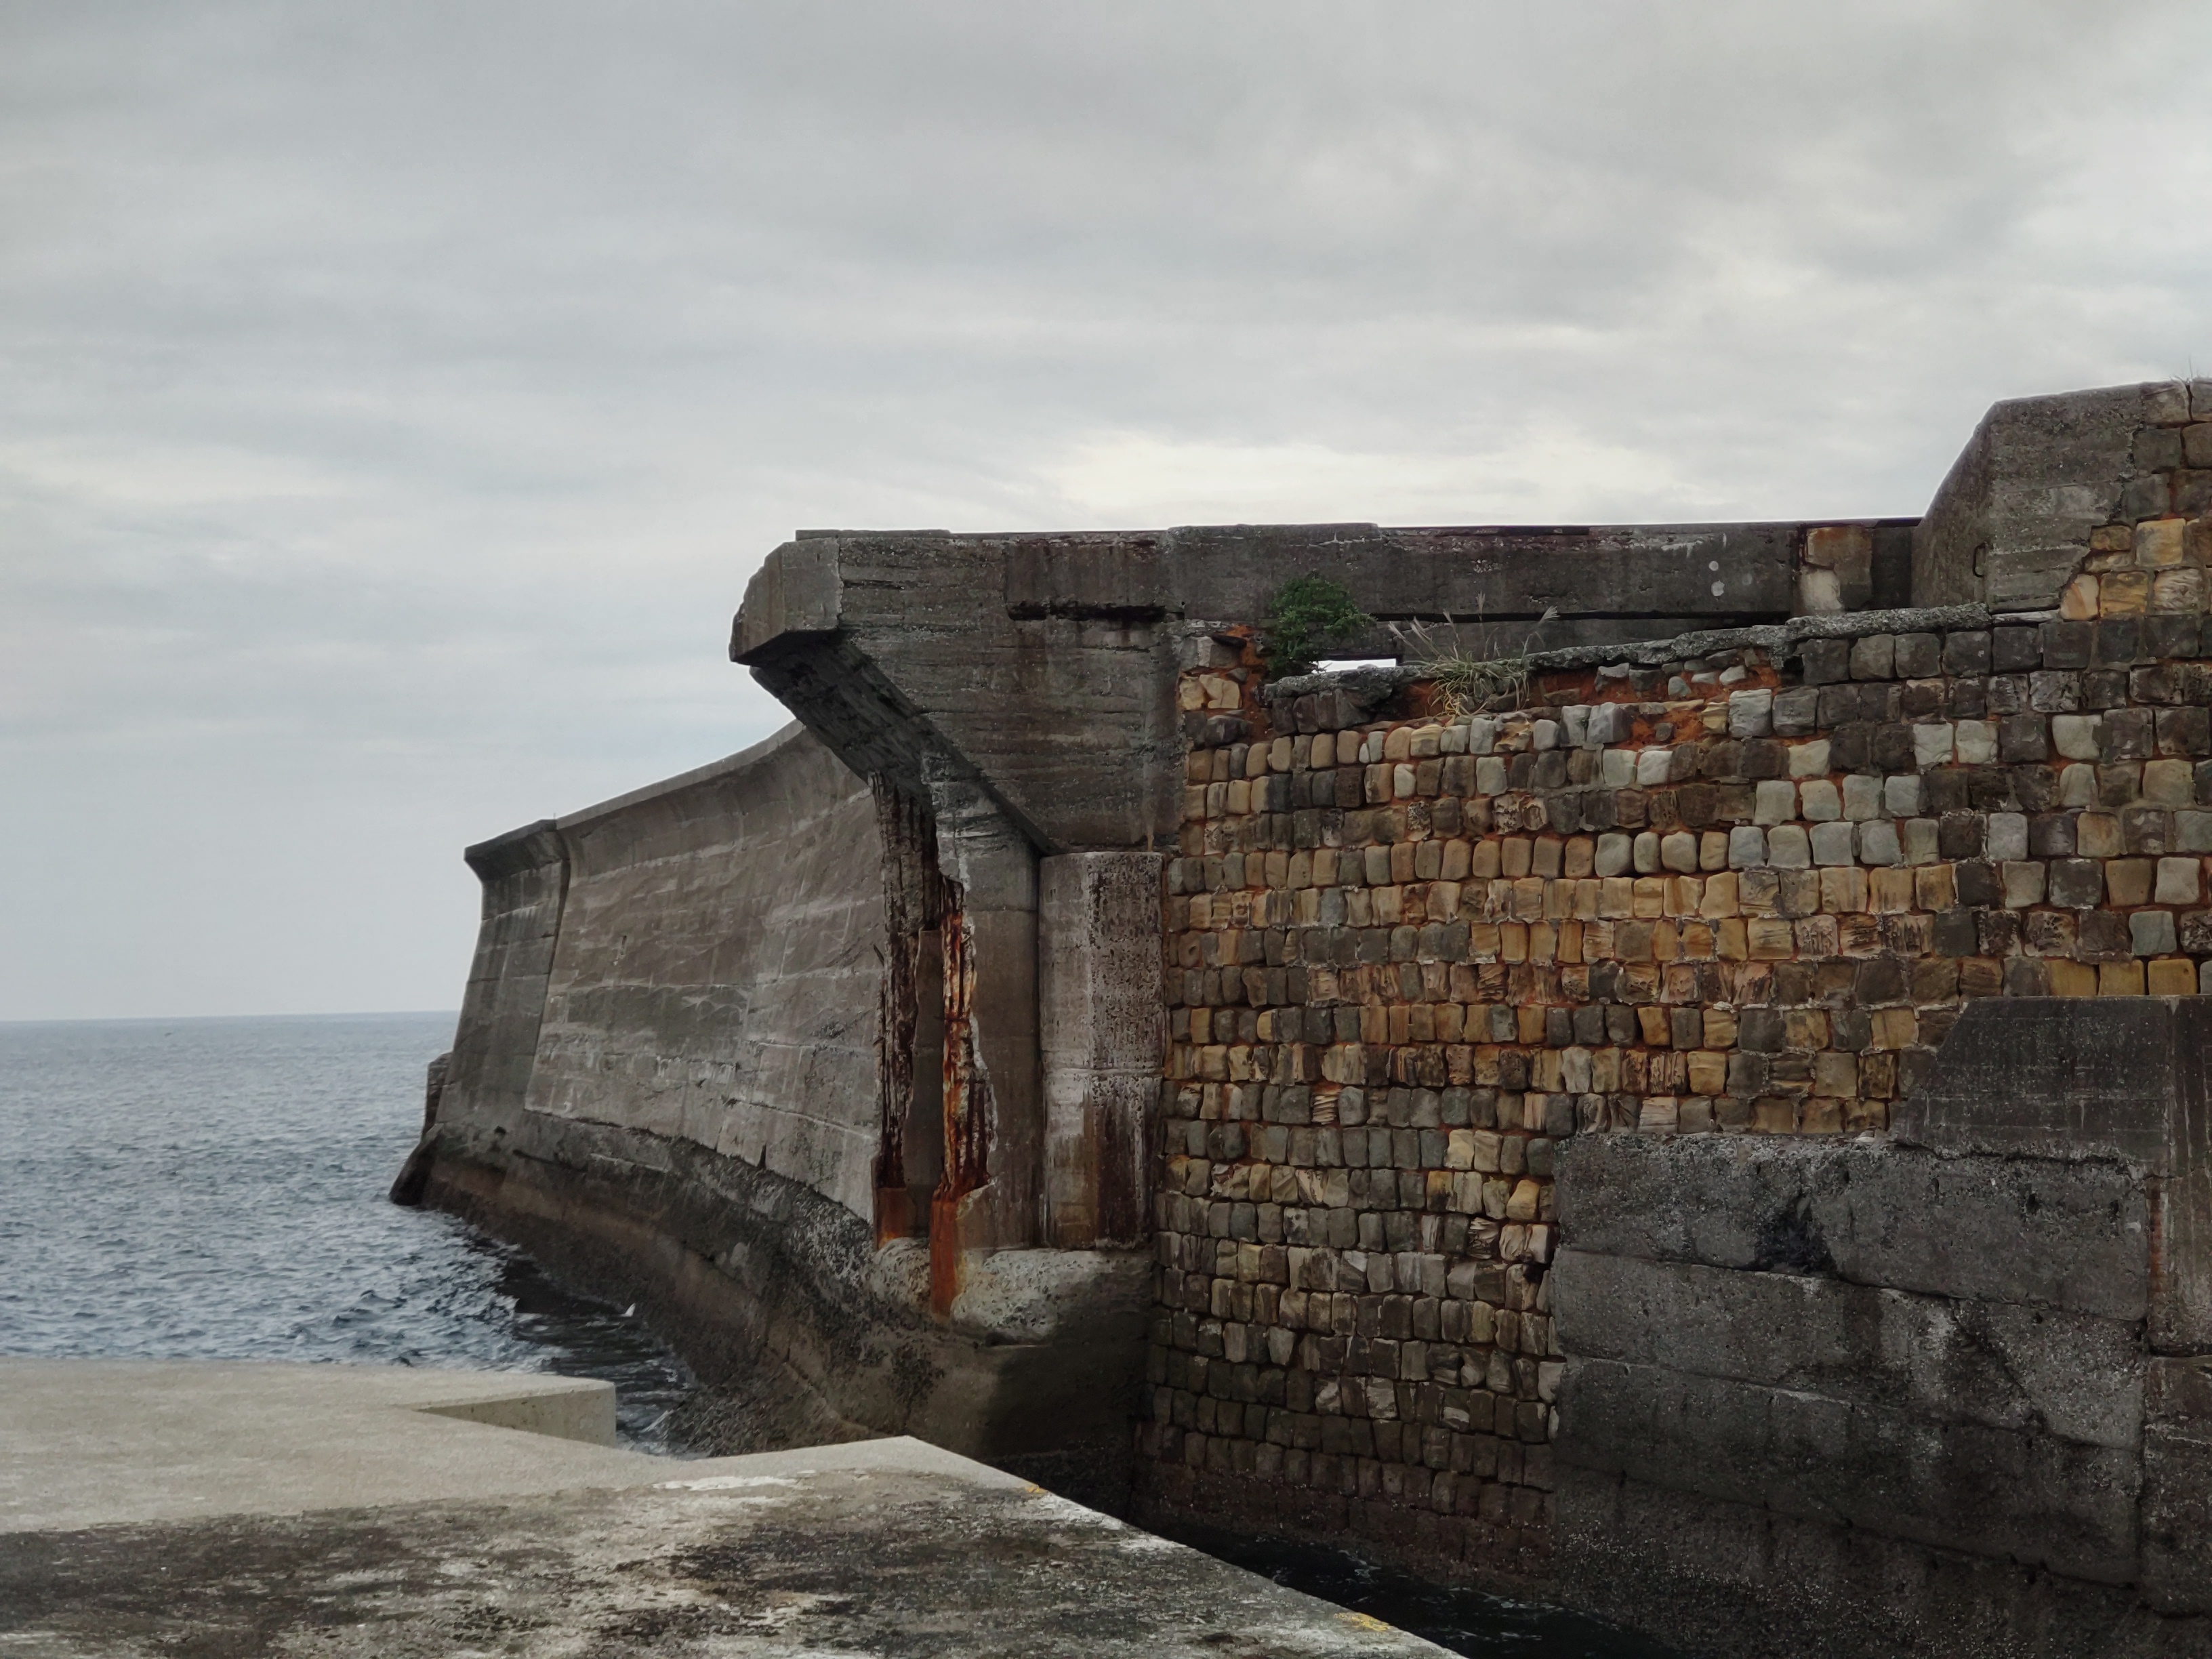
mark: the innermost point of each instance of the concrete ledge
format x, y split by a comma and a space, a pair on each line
1868, 1212
1990, 1363
781, 1298
265, 1509
95, 1442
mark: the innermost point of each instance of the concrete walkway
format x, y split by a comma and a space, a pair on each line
242, 1510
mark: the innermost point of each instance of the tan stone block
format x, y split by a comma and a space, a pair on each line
1772, 939
2128, 881
1843, 891
2072, 979
1720, 896
1935, 886
2124, 593
2198, 541
2169, 783
1835, 1073
1865, 1117
1821, 1116
1895, 1028
1398, 744
1890, 889
2158, 543
2078, 602
2111, 538
1708, 1071
2178, 592
2097, 835
2171, 976
1729, 941
1720, 1028
1773, 1115
2119, 979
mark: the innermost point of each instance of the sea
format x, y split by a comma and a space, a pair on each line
215, 1189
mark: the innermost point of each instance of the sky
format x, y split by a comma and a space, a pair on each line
395, 398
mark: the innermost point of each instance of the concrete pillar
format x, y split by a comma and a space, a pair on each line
1104, 1027
987, 1199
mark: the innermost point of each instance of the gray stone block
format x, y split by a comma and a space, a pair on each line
2038, 1500
1945, 1359
2060, 1078
1868, 1214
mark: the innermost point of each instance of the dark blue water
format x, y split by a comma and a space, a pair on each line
215, 1188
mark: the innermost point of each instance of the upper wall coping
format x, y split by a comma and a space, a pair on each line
1777, 637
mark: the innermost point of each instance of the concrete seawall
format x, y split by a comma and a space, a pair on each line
664, 1083
1165, 1010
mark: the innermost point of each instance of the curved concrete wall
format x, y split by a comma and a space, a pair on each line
715, 979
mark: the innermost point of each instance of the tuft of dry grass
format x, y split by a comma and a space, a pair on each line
1469, 685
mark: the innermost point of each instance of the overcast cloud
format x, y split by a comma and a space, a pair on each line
394, 398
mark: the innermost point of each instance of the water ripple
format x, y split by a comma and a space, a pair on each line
213, 1189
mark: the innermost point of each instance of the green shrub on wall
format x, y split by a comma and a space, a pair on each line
1307, 613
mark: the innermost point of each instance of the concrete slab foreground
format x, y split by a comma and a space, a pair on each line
87, 1443
287, 1543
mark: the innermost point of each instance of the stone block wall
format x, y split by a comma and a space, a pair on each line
1745, 884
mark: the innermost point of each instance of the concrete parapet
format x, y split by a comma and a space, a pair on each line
1948, 1340
2011, 524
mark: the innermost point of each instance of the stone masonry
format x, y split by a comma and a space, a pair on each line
1746, 889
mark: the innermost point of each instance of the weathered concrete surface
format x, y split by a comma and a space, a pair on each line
1863, 1211
1859, 1397
1103, 1024
874, 1560
526, 877
1737, 1581
781, 1298
1044, 666
2176, 1513
234, 1542
2011, 522
90, 1442
2127, 1080
715, 978
698, 959
696, 1126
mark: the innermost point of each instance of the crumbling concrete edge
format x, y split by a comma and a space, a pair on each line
1368, 683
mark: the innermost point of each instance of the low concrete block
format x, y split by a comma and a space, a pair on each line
2021, 1370
2061, 1077
2030, 1497
1868, 1213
